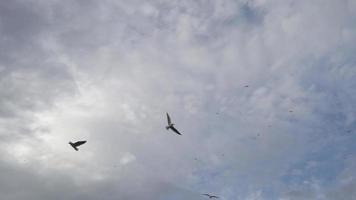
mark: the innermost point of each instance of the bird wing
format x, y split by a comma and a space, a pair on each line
211, 196
79, 143
175, 130
74, 147
168, 119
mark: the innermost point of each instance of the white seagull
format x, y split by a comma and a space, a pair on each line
171, 125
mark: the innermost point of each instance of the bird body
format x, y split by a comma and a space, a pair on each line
171, 125
76, 144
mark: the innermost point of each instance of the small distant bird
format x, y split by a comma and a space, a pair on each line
246, 85
76, 144
171, 125
291, 111
211, 196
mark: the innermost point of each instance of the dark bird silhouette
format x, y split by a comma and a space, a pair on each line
76, 144
211, 196
246, 85
171, 125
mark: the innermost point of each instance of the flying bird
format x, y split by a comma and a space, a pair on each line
171, 125
211, 196
76, 144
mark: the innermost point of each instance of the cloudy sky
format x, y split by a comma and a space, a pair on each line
108, 71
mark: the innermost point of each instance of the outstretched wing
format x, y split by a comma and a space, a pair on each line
79, 143
175, 130
211, 196
168, 119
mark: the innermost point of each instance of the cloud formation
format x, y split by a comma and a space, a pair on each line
262, 91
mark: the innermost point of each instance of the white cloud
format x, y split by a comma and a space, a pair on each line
108, 71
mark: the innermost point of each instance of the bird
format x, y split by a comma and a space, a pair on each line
211, 196
171, 125
246, 85
76, 144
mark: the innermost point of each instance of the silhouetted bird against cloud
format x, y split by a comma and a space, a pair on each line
246, 85
211, 196
76, 144
171, 125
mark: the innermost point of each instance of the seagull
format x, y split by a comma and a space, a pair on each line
211, 196
76, 144
171, 125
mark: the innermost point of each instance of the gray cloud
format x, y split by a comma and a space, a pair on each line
108, 71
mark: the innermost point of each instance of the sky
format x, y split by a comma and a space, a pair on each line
263, 92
